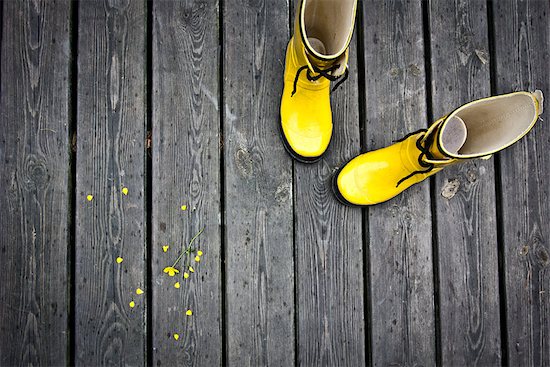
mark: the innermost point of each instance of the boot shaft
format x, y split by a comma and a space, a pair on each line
475, 130
322, 33
491, 124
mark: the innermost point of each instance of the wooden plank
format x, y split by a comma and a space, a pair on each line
258, 187
34, 182
522, 56
465, 194
186, 171
401, 272
328, 246
111, 134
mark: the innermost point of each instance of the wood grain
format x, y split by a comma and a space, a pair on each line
34, 183
258, 188
186, 171
400, 232
328, 246
110, 155
466, 219
522, 56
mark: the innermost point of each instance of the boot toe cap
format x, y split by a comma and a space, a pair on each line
306, 146
345, 186
307, 136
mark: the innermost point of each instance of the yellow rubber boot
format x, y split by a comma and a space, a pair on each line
316, 55
475, 130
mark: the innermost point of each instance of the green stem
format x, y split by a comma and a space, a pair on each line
190, 242
194, 238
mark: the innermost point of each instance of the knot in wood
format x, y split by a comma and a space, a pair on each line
36, 175
542, 256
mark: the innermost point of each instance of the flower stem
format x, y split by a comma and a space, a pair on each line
190, 242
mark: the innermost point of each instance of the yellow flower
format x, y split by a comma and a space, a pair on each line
176, 336
177, 285
139, 291
199, 253
197, 258
165, 248
191, 269
90, 197
186, 275
188, 312
119, 259
132, 304
125, 190
171, 271
184, 207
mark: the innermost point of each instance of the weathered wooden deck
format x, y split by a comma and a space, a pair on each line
178, 101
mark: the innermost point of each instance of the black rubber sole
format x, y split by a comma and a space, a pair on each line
293, 154
336, 192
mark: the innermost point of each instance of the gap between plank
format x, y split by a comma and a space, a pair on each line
498, 196
433, 194
148, 151
223, 266
361, 65
72, 150
290, 30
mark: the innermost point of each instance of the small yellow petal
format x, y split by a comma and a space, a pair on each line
171, 271
184, 207
199, 253
139, 291
132, 304
90, 197
177, 285
125, 190
186, 275
191, 269
188, 312
119, 259
176, 336
165, 248
197, 258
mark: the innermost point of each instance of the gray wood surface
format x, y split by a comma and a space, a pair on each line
287, 274
328, 246
522, 56
258, 187
111, 130
400, 232
466, 216
34, 183
186, 171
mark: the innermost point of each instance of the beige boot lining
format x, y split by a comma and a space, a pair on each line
494, 123
454, 135
330, 22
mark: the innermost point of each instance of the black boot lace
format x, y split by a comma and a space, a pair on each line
326, 73
424, 146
